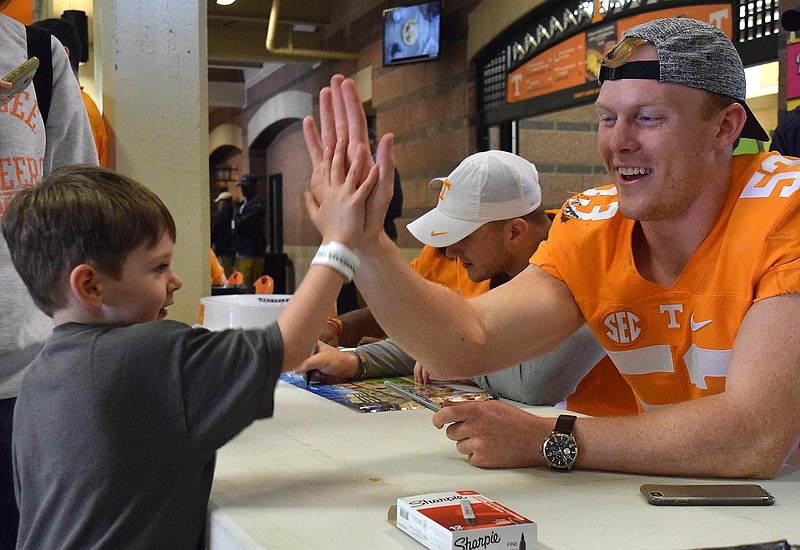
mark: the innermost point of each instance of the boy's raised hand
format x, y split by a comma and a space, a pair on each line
342, 119
338, 206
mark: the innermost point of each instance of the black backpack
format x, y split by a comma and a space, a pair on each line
39, 46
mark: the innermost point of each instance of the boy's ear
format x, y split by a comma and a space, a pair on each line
86, 288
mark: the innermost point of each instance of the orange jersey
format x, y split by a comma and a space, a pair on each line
673, 344
435, 266
603, 392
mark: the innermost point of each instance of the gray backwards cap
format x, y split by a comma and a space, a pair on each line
694, 54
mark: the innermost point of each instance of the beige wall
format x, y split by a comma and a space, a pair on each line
563, 146
157, 106
492, 17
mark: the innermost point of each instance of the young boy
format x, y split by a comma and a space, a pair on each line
119, 418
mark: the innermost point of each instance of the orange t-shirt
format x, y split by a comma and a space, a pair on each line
673, 344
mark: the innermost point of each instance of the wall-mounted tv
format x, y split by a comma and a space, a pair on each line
411, 33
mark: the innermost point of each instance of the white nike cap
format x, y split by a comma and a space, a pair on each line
485, 187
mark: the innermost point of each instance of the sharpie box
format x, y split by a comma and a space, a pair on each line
464, 520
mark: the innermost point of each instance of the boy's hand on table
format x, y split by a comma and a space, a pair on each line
331, 366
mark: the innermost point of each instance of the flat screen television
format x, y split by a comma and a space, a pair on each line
411, 33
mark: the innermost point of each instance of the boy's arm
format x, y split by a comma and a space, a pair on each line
339, 216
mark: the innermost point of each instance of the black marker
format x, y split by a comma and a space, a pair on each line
308, 375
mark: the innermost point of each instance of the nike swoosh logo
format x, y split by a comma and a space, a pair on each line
437, 233
697, 326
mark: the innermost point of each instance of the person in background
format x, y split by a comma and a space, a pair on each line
247, 235
120, 416
29, 149
685, 267
65, 32
786, 138
221, 222
495, 199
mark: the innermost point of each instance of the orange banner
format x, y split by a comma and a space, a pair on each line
559, 68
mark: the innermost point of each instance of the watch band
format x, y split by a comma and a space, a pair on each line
362, 364
565, 424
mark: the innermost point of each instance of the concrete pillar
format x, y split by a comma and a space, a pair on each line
153, 75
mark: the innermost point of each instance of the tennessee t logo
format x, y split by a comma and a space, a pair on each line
445, 187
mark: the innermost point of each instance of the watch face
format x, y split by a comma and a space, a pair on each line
560, 450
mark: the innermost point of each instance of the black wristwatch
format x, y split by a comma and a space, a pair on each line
560, 448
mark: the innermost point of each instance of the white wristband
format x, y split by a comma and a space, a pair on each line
337, 256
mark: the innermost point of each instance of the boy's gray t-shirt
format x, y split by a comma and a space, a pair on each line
116, 429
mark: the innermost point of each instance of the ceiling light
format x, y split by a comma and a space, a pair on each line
225, 2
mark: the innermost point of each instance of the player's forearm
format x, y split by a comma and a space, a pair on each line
428, 321
708, 437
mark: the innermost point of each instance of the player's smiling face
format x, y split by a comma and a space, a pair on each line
653, 139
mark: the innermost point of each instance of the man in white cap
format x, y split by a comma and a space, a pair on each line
686, 267
489, 219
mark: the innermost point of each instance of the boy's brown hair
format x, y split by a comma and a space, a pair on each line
77, 215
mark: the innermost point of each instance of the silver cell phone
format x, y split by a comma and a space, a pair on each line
20, 78
413, 396
741, 494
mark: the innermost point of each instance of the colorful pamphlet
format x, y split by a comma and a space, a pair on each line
373, 396
460, 520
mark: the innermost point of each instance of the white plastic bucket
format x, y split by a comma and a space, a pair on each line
242, 310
